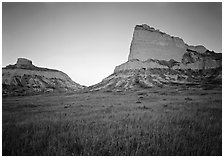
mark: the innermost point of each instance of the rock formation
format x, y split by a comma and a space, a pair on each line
152, 48
24, 63
158, 59
24, 78
200, 61
148, 43
148, 64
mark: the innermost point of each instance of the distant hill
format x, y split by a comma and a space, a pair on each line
23, 78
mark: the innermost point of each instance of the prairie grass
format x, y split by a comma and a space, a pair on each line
108, 123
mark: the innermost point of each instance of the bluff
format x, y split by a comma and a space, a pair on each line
24, 78
158, 59
148, 42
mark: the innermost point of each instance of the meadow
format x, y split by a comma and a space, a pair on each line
155, 121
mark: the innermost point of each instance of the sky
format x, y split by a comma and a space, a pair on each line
87, 40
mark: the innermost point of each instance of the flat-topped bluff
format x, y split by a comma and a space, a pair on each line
158, 59
149, 43
151, 48
24, 78
23, 63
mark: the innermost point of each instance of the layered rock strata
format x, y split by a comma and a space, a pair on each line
24, 78
148, 43
158, 59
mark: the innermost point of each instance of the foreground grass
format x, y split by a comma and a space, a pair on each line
147, 122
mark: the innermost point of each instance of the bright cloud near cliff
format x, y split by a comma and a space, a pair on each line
87, 40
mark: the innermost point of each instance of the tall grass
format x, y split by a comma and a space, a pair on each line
182, 127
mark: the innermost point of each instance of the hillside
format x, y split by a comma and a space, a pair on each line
23, 78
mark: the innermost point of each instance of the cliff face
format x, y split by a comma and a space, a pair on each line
158, 59
24, 63
148, 43
24, 78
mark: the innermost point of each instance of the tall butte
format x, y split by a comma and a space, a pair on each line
158, 59
150, 43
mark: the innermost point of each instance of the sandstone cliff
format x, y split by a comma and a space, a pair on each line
158, 59
148, 43
24, 78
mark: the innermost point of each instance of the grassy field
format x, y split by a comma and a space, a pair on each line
156, 121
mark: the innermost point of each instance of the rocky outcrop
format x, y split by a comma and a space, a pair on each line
199, 49
24, 63
158, 59
24, 78
136, 64
148, 43
156, 77
200, 61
